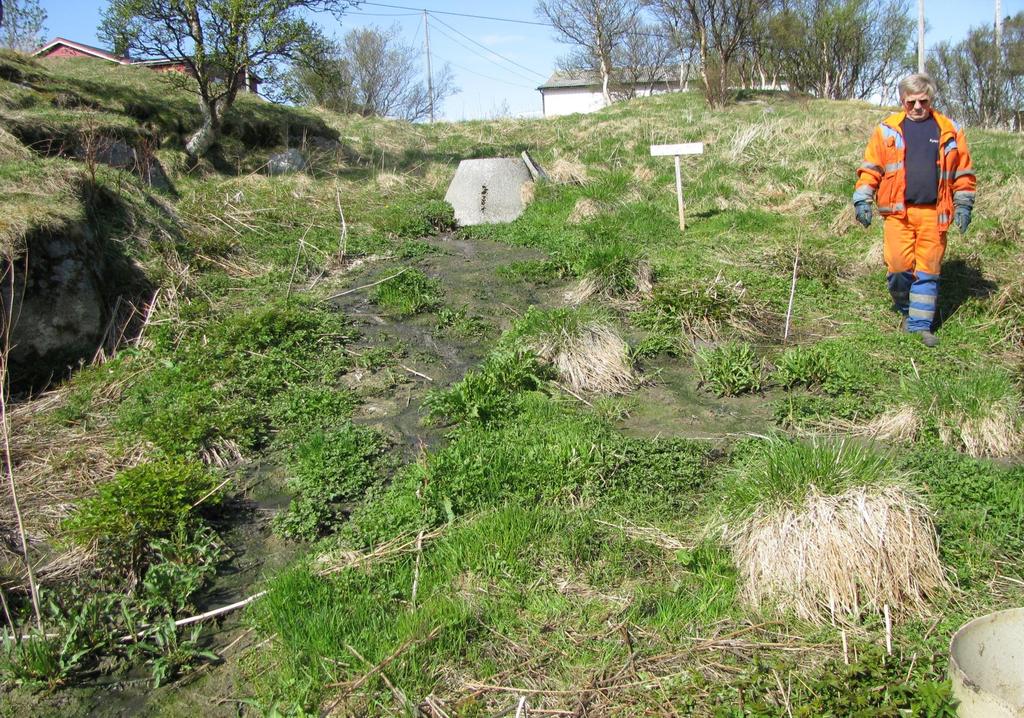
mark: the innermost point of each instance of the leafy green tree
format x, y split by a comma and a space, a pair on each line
220, 42
978, 82
22, 24
841, 49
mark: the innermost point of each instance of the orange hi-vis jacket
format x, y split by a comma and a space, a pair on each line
883, 176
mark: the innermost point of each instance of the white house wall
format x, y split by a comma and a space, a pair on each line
565, 101
568, 100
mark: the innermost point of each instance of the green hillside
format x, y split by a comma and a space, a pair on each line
547, 460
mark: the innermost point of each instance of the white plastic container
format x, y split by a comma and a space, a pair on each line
987, 666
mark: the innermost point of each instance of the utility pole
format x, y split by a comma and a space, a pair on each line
920, 35
999, 25
430, 74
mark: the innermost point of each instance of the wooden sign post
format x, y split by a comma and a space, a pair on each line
688, 148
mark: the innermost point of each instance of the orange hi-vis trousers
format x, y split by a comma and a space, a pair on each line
913, 249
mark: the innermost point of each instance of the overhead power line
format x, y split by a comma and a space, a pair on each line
461, 14
480, 74
484, 57
492, 52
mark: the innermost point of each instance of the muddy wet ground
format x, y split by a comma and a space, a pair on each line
668, 404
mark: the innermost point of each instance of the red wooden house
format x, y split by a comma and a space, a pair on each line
61, 47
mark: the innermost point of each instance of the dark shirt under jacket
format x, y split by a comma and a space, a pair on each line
922, 160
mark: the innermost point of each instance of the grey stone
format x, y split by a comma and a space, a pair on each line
536, 171
287, 162
488, 191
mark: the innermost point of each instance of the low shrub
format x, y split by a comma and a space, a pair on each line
141, 504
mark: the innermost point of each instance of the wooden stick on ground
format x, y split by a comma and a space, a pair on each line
365, 286
792, 294
202, 616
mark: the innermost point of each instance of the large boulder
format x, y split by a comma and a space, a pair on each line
66, 285
123, 156
488, 191
287, 162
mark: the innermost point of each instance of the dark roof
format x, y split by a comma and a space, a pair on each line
588, 78
81, 46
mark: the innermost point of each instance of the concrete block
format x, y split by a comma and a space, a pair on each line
488, 191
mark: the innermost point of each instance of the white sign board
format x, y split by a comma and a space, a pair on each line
687, 148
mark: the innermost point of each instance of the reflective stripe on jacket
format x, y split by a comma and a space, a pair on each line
883, 176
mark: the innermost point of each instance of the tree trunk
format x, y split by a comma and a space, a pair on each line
605, 73
200, 141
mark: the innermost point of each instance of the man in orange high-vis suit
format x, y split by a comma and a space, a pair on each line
918, 171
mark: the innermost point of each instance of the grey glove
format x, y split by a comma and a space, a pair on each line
863, 211
962, 217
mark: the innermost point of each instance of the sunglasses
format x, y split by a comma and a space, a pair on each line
911, 103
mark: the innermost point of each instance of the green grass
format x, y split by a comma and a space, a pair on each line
782, 472
731, 369
559, 539
411, 292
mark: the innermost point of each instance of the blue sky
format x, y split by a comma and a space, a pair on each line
497, 64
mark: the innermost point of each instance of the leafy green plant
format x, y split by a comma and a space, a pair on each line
537, 271
408, 293
169, 653
38, 660
835, 367
702, 311
460, 323
329, 470
731, 369
180, 565
979, 508
491, 392
140, 504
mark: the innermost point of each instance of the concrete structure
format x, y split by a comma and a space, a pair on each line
488, 191
62, 47
566, 93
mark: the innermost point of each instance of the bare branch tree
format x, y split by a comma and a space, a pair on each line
22, 24
720, 31
596, 27
980, 82
842, 49
220, 44
643, 59
371, 72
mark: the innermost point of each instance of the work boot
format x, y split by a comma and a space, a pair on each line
929, 339
903, 325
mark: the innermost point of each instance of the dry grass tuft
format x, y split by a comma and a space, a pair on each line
644, 175
805, 203
591, 359
993, 434
389, 182
527, 193
873, 259
584, 210
1008, 308
836, 557
900, 425
11, 149
597, 285
844, 221
564, 171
